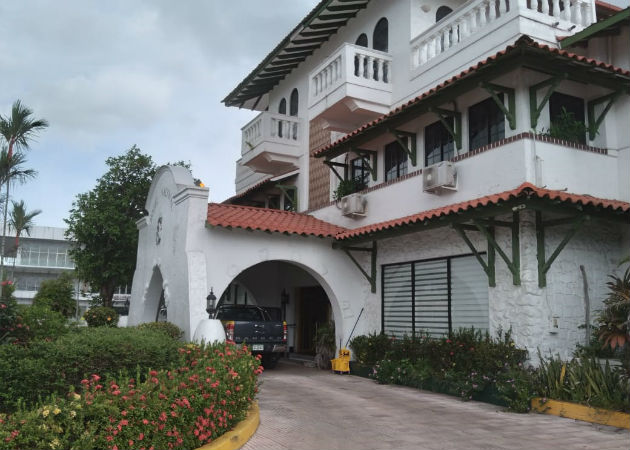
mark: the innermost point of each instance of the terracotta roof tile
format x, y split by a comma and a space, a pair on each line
272, 220
523, 41
525, 190
249, 190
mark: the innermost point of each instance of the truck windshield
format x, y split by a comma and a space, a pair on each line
240, 314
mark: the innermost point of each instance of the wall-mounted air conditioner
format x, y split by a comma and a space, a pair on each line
439, 177
353, 205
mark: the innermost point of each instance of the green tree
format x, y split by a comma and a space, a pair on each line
18, 129
21, 222
57, 294
102, 223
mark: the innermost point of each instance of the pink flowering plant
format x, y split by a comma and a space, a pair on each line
182, 408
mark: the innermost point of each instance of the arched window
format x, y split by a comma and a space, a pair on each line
362, 41
293, 103
442, 12
282, 109
380, 39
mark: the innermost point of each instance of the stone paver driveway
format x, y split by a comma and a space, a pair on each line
303, 408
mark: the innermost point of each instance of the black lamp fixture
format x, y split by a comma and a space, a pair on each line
210, 305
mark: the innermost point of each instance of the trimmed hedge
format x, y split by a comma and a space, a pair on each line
42, 368
169, 328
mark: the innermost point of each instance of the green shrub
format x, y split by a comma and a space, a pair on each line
101, 316
40, 322
183, 408
370, 349
10, 320
568, 128
57, 295
43, 368
584, 381
347, 187
168, 328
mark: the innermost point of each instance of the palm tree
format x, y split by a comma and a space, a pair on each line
21, 222
11, 170
17, 129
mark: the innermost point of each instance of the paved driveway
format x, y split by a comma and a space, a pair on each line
303, 408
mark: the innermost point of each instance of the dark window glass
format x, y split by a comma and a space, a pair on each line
572, 105
395, 161
380, 37
442, 12
282, 107
273, 202
486, 123
438, 143
359, 172
293, 103
362, 40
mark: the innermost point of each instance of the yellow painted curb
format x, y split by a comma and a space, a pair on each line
582, 412
236, 438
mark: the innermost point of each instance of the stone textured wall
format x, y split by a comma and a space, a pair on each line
318, 173
527, 309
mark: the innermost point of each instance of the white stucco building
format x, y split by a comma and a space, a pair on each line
472, 205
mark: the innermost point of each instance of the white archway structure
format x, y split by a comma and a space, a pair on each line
192, 258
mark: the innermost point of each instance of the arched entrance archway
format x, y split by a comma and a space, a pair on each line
155, 305
292, 292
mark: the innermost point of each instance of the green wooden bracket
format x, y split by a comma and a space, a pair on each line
456, 130
510, 111
543, 263
333, 165
534, 107
290, 193
408, 145
489, 266
371, 277
370, 159
595, 122
515, 263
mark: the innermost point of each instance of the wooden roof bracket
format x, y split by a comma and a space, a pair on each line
370, 160
534, 107
371, 277
333, 165
510, 111
289, 192
454, 130
544, 264
595, 122
408, 145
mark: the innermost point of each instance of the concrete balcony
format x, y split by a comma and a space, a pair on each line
355, 80
482, 27
271, 143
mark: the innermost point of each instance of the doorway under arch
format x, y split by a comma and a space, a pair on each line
155, 304
290, 292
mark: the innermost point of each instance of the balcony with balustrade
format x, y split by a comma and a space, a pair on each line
482, 27
353, 79
271, 143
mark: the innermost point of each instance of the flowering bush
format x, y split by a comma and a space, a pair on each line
182, 408
101, 316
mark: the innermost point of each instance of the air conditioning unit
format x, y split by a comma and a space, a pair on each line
353, 205
439, 177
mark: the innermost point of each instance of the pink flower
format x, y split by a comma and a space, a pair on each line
95, 377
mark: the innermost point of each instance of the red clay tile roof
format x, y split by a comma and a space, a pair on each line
607, 6
525, 190
522, 42
249, 190
273, 220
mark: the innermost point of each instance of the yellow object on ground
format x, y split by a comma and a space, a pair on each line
236, 438
582, 412
341, 364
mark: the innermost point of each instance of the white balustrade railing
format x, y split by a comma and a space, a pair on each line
268, 126
476, 15
351, 63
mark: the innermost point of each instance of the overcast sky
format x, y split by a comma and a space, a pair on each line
108, 75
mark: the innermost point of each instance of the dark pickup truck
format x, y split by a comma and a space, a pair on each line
254, 326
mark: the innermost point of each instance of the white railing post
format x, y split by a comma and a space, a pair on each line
578, 12
492, 11
555, 9
567, 10
503, 7
482, 14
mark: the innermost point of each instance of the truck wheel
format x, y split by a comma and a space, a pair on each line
270, 361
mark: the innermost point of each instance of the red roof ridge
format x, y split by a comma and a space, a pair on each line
521, 41
257, 208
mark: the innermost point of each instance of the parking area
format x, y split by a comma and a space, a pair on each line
304, 408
